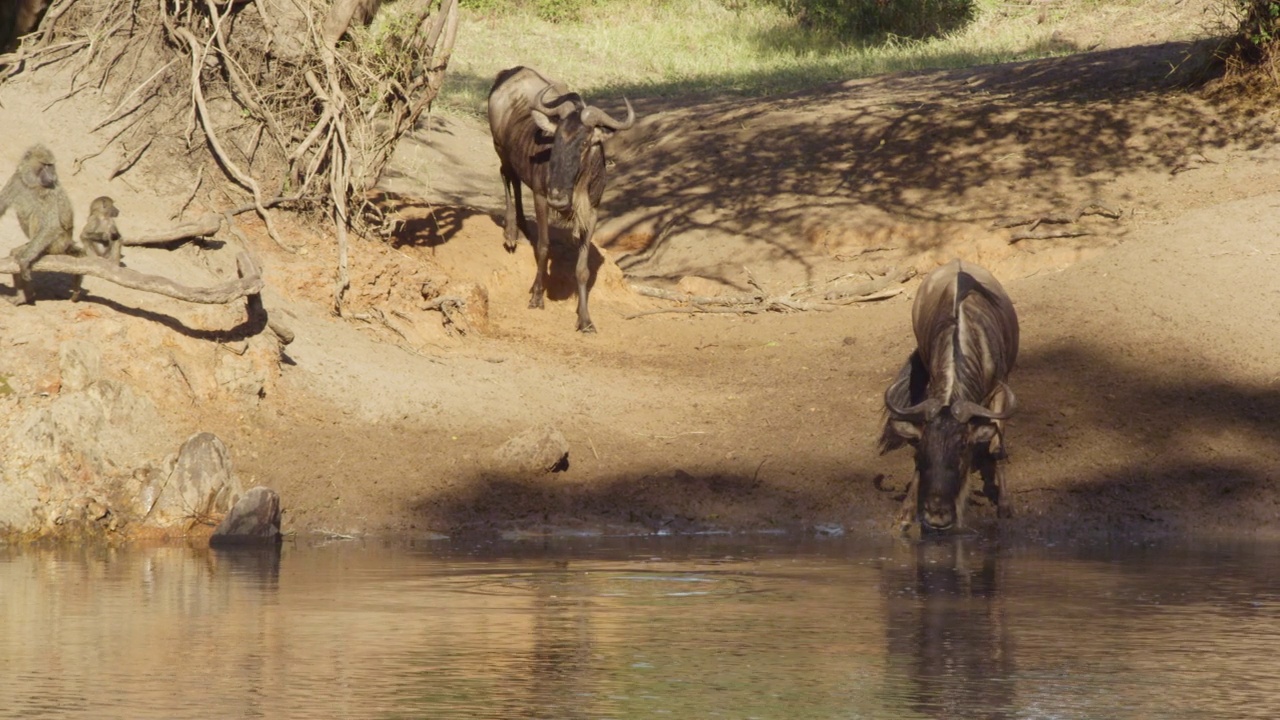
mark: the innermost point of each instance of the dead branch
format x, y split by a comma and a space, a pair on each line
1046, 234
246, 268
798, 299
862, 291
100, 268
206, 225
680, 297
1059, 218
449, 305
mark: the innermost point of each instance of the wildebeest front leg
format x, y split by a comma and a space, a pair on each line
514, 210
910, 509
583, 273
540, 251
987, 462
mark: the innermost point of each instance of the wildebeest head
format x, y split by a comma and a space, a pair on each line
945, 438
575, 128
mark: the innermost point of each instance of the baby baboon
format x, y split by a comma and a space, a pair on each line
100, 235
44, 213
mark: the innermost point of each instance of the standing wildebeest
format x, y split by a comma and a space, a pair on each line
950, 399
551, 140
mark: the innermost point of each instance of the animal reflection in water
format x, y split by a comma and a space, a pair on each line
950, 400
947, 632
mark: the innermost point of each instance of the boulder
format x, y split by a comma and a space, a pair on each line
255, 520
199, 485
541, 449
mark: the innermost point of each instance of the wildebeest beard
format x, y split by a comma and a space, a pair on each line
943, 457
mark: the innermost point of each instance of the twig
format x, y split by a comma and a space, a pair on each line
1046, 234
195, 187
1059, 218
795, 300
131, 158
862, 291
747, 310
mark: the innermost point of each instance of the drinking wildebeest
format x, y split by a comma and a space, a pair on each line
950, 399
551, 140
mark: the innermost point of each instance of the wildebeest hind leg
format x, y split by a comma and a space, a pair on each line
543, 247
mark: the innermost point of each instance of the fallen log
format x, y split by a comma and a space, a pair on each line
204, 226
220, 294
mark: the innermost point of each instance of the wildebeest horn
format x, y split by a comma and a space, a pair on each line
593, 116
920, 412
562, 106
964, 410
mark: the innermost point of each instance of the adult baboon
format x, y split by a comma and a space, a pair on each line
100, 235
45, 215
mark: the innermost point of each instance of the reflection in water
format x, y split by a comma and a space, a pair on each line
640, 628
948, 636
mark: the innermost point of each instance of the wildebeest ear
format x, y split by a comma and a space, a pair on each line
983, 433
905, 430
544, 122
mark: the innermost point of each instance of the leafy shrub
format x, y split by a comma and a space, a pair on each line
1259, 30
853, 19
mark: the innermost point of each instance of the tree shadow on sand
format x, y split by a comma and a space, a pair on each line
1098, 448
412, 222
969, 146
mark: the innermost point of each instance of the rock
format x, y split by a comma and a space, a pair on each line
539, 449
77, 444
81, 364
254, 520
200, 485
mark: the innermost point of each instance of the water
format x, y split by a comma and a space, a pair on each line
643, 628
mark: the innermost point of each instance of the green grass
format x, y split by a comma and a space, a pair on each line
646, 48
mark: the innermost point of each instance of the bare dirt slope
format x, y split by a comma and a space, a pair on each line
1148, 378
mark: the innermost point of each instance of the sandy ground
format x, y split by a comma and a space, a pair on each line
1148, 377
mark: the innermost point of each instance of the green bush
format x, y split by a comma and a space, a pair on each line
859, 19
1259, 30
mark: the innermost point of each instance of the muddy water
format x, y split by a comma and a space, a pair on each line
642, 628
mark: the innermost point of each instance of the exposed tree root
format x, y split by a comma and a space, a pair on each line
318, 116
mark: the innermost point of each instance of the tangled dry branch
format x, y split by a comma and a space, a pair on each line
808, 297
298, 98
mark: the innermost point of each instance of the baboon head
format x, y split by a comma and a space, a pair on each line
37, 168
103, 207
